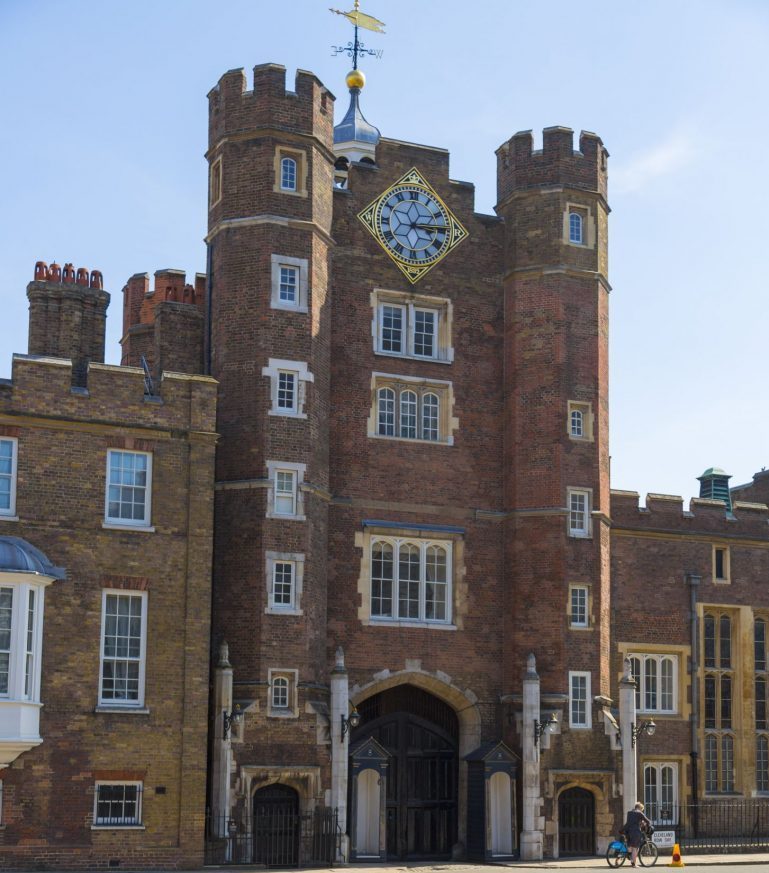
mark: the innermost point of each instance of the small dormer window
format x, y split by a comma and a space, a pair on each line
575, 228
288, 174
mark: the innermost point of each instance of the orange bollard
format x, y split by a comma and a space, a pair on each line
676, 860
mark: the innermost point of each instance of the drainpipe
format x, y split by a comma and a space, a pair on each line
694, 580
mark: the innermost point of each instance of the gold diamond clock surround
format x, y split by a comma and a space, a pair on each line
413, 225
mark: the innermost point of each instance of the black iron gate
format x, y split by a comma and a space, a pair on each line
576, 825
275, 837
739, 825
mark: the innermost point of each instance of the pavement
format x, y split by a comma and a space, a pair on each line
592, 863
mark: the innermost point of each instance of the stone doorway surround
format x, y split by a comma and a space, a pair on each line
462, 700
603, 786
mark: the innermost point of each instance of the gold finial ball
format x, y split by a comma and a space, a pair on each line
355, 79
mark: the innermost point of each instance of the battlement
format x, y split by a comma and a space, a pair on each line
520, 167
42, 386
308, 109
140, 302
665, 512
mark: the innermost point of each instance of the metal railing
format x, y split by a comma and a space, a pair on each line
276, 836
716, 825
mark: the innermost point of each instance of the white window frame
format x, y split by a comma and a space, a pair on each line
576, 228
141, 660
120, 823
585, 413
409, 305
573, 622
298, 472
584, 531
276, 366
653, 808
302, 292
574, 677
115, 521
24, 677
289, 162
642, 692
296, 560
9, 512
423, 545
292, 678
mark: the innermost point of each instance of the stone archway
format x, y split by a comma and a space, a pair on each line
599, 786
462, 702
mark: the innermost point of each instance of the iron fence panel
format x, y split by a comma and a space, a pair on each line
734, 825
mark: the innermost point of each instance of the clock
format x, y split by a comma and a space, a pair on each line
413, 225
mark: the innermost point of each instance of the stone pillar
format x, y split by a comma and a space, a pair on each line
627, 717
221, 751
533, 822
340, 695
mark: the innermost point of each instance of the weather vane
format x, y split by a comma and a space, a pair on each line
356, 47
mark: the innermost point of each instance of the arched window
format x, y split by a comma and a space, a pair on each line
656, 682
575, 228
288, 174
409, 572
280, 692
577, 423
436, 583
430, 416
386, 412
409, 415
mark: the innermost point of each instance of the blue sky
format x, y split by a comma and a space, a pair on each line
104, 131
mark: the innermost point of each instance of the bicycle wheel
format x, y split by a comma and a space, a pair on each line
647, 854
615, 857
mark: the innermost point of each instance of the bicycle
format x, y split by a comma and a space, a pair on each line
619, 851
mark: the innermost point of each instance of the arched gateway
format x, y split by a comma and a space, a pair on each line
421, 735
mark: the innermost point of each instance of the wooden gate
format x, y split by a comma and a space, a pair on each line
576, 822
420, 733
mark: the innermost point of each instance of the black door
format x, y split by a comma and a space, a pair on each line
420, 732
576, 822
276, 826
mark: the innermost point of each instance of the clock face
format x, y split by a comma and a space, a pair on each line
413, 225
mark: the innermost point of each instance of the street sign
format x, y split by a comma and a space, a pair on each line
664, 839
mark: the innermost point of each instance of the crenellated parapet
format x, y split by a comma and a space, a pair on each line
42, 387
233, 109
666, 513
520, 166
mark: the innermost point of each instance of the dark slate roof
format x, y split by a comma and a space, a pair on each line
18, 556
354, 127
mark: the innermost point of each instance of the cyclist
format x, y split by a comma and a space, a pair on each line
635, 824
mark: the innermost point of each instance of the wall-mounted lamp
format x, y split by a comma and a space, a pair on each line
646, 727
350, 722
540, 727
231, 719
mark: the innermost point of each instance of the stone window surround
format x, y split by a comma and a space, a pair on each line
282, 151
292, 710
587, 420
444, 351
587, 531
215, 179
459, 587
680, 654
303, 376
297, 559
278, 261
299, 470
588, 225
657, 656
447, 423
